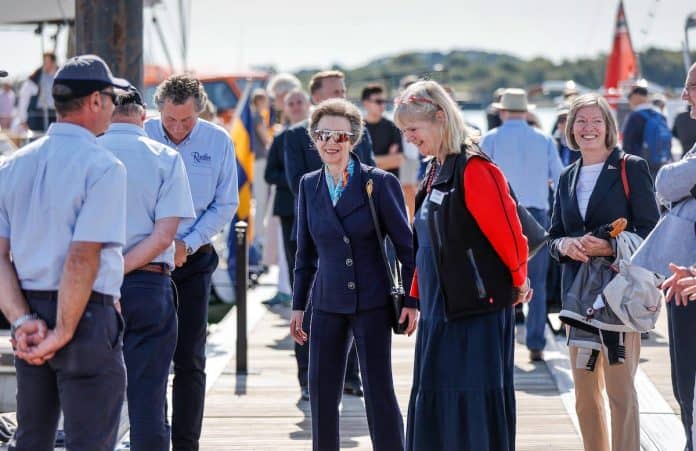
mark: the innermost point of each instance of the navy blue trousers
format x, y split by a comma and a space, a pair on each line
147, 302
682, 353
193, 283
331, 339
86, 379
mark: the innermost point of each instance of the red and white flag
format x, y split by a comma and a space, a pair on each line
622, 63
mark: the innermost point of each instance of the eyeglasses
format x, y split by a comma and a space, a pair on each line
339, 136
379, 101
110, 94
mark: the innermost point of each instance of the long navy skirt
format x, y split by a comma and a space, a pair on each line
463, 395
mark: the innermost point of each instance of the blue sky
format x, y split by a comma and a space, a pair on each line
234, 35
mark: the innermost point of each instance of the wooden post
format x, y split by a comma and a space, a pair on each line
112, 29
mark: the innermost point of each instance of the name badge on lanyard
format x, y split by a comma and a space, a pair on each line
437, 196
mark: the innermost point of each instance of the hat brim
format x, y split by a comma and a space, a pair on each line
499, 106
120, 83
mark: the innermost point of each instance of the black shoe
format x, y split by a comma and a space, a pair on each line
535, 355
304, 393
351, 388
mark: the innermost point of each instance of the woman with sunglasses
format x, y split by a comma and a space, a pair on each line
471, 263
339, 268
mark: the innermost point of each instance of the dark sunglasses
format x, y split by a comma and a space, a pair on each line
379, 101
338, 136
110, 94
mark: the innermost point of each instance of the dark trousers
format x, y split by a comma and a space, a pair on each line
289, 244
147, 302
538, 268
682, 353
302, 352
86, 379
193, 282
332, 336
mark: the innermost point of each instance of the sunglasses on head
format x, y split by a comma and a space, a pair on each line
338, 136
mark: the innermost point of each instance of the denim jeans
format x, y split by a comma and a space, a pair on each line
537, 268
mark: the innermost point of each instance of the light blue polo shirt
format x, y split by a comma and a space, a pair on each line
62, 188
157, 184
211, 166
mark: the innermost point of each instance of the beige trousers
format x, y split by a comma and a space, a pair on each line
623, 401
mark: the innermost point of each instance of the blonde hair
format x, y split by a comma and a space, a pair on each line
338, 108
592, 99
421, 101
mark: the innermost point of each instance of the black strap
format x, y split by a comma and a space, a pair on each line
394, 276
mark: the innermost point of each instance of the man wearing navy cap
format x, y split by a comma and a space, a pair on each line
62, 218
158, 197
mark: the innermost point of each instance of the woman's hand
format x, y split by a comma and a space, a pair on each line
296, 331
573, 248
596, 247
524, 293
410, 315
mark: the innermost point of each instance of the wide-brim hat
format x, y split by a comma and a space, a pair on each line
514, 99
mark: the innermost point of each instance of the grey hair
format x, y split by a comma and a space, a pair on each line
282, 83
129, 109
338, 108
178, 89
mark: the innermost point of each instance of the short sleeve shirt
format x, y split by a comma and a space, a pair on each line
157, 184
62, 188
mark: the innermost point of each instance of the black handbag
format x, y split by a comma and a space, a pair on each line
396, 292
535, 233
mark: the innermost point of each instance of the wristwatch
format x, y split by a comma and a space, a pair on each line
19, 321
189, 250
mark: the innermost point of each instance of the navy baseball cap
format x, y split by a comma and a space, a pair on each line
82, 75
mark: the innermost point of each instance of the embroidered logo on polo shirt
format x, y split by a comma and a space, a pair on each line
201, 158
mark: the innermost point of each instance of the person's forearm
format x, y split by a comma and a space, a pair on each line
79, 273
144, 252
157, 242
12, 302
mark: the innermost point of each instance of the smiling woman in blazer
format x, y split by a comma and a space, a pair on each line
591, 194
340, 270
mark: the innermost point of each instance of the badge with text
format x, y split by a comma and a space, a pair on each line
437, 196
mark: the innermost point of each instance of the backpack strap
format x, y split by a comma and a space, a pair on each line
624, 177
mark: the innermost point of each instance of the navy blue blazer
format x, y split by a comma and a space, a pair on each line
338, 267
607, 203
301, 155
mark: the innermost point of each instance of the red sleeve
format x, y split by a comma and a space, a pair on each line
414, 285
488, 199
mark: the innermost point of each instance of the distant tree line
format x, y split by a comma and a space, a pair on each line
478, 73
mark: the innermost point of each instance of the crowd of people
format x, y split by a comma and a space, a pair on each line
415, 224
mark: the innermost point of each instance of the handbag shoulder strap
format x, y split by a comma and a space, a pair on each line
624, 177
394, 276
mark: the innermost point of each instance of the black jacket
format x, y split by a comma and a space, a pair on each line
284, 203
607, 203
473, 277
